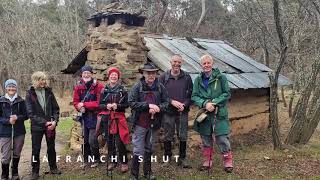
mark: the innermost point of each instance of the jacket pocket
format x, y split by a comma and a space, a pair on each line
223, 112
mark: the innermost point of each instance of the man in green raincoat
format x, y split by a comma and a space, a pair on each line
211, 92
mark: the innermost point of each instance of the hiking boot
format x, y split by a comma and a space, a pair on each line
182, 155
134, 168
147, 171
149, 176
55, 171
227, 161
35, 176
15, 177
124, 168
5, 172
111, 166
94, 165
183, 163
207, 153
132, 177
14, 169
167, 153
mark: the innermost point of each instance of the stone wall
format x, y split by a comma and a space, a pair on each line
116, 45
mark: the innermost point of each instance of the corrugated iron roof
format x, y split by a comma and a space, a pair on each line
242, 71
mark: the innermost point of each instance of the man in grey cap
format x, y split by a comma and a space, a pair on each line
148, 99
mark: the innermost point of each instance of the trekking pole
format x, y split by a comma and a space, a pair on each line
179, 132
12, 137
82, 144
213, 127
152, 120
113, 140
116, 138
108, 136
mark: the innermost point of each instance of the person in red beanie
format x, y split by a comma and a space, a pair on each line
113, 102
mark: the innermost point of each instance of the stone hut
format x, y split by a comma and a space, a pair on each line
116, 38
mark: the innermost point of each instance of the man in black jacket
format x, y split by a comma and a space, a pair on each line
43, 111
148, 99
179, 86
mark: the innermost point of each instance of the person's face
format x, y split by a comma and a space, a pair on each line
86, 74
41, 83
207, 65
150, 76
176, 62
11, 90
113, 78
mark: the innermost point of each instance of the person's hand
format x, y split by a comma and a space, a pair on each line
48, 123
154, 107
13, 119
52, 126
80, 105
181, 109
152, 111
177, 104
210, 107
109, 107
83, 110
114, 106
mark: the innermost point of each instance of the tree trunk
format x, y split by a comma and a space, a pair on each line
62, 88
203, 13
4, 76
163, 13
301, 122
312, 126
266, 57
291, 101
283, 97
274, 113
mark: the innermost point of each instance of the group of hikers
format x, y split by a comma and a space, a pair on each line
155, 102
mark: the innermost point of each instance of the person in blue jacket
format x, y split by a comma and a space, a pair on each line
12, 116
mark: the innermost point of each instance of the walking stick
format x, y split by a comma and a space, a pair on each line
108, 138
82, 145
116, 138
179, 132
80, 118
213, 127
152, 119
12, 137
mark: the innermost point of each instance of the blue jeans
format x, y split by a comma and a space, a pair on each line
143, 140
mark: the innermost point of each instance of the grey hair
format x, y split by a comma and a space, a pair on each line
38, 76
206, 56
176, 55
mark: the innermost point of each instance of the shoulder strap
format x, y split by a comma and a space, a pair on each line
166, 78
87, 93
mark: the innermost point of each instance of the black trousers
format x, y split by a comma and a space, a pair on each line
36, 137
115, 143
